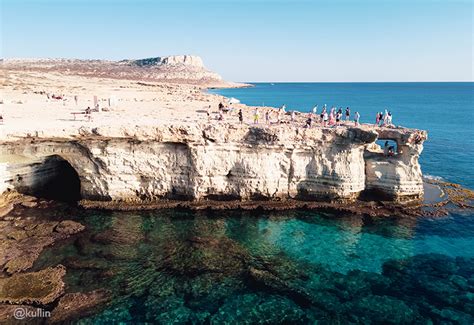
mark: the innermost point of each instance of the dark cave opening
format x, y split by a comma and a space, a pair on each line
53, 178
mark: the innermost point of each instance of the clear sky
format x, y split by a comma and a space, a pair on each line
258, 40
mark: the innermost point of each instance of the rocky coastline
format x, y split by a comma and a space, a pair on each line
220, 162
158, 149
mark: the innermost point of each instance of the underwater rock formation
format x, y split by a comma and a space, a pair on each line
78, 304
42, 287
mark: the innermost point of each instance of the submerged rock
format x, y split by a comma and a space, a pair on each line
381, 310
259, 309
21, 255
42, 287
68, 227
79, 304
198, 255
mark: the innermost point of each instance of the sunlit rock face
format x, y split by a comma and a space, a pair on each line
197, 162
398, 176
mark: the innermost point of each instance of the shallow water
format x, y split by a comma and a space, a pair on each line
203, 267
444, 109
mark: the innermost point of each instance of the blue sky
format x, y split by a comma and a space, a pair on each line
262, 40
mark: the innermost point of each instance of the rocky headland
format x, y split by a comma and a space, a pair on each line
152, 144
155, 140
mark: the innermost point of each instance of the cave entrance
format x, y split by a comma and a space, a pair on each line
53, 178
389, 146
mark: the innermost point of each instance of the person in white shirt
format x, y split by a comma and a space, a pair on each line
356, 118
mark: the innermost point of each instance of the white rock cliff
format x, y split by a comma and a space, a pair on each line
197, 162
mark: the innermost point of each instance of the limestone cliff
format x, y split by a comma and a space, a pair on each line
202, 161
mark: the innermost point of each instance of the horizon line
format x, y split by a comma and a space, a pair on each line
352, 81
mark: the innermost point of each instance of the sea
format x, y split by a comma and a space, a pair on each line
293, 267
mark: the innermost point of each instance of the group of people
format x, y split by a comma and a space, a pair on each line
268, 116
326, 117
388, 150
334, 117
383, 119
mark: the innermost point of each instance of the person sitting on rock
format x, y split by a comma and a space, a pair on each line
391, 151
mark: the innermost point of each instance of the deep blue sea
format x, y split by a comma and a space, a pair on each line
444, 109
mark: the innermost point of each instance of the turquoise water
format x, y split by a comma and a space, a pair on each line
173, 266
445, 110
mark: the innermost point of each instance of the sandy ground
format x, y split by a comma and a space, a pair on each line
24, 109
27, 111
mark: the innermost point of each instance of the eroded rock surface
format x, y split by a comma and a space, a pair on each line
42, 287
202, 161
23, 239
77, 305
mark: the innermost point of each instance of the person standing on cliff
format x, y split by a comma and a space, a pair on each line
356, 118
256, 116
315, 110
324, 118
385, 117
348, 114
241, 116
339, 116
267, 117
208, 113
322, 113
389, 119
